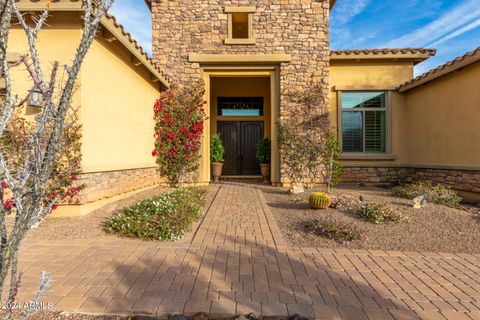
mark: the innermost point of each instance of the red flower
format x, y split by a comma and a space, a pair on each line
154, 153
4, 185
54, 207
10, 203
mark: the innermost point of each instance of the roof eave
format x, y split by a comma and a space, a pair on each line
416, 58
332, 4
108, 23
141, 57
441, 71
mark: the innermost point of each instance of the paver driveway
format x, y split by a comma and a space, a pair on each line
238, 263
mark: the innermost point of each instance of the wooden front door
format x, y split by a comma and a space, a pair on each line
240, 139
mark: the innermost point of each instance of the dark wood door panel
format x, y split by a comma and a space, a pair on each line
239, 140
252, 133
230, 135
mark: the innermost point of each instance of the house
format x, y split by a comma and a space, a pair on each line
117, 85
393, 127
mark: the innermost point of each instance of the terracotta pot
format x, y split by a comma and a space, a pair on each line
265, 171
216, 171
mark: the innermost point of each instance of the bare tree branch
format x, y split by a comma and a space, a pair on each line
29, 180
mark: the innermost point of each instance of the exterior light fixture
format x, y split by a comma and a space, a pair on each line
36, 98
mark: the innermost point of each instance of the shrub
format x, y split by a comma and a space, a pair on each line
165, 217
330, 159
263, 150
319, 200
380, 212
340, 233
179, 124
216, 149
63, 186
436, 193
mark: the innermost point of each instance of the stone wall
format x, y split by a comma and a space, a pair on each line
299, 28
100, 185
464, 180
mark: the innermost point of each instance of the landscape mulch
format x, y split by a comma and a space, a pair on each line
435, 228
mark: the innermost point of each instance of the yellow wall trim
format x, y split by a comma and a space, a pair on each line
249, 41
363, 88
242, 9
239, 58
367, 156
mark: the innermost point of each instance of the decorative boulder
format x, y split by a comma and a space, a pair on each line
297, 188
420, 202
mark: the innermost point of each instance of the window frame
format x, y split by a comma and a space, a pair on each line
386, 155
230, 11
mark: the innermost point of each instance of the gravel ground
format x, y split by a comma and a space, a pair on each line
432, 229
90, 226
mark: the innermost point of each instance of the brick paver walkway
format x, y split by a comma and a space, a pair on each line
238, 263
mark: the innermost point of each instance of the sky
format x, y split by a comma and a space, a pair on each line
450, 26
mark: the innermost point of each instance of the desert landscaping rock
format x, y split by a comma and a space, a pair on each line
434, 228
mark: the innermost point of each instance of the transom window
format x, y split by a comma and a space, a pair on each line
240, 25
240, 106
364, 122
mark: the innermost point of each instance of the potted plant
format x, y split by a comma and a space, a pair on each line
263, 153
216, 156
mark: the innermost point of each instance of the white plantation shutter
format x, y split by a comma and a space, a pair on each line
374, 131
364, 122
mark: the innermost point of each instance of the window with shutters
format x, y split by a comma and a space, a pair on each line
364, 122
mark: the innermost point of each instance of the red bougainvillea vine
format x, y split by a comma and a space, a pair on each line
180, 118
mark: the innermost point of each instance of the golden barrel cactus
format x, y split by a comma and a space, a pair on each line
319, 200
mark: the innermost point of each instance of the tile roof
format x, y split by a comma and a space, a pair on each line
131, 44
385, 51
136, 45
442, 70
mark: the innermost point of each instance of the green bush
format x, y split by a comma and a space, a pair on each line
164, 217
216, 149
263, 150
436, 193
341, 233
380, 212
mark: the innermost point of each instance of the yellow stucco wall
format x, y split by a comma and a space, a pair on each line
115, 97
443, 120
117, 110
376, 76
57, 41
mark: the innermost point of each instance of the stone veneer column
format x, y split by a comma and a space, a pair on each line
296, 27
